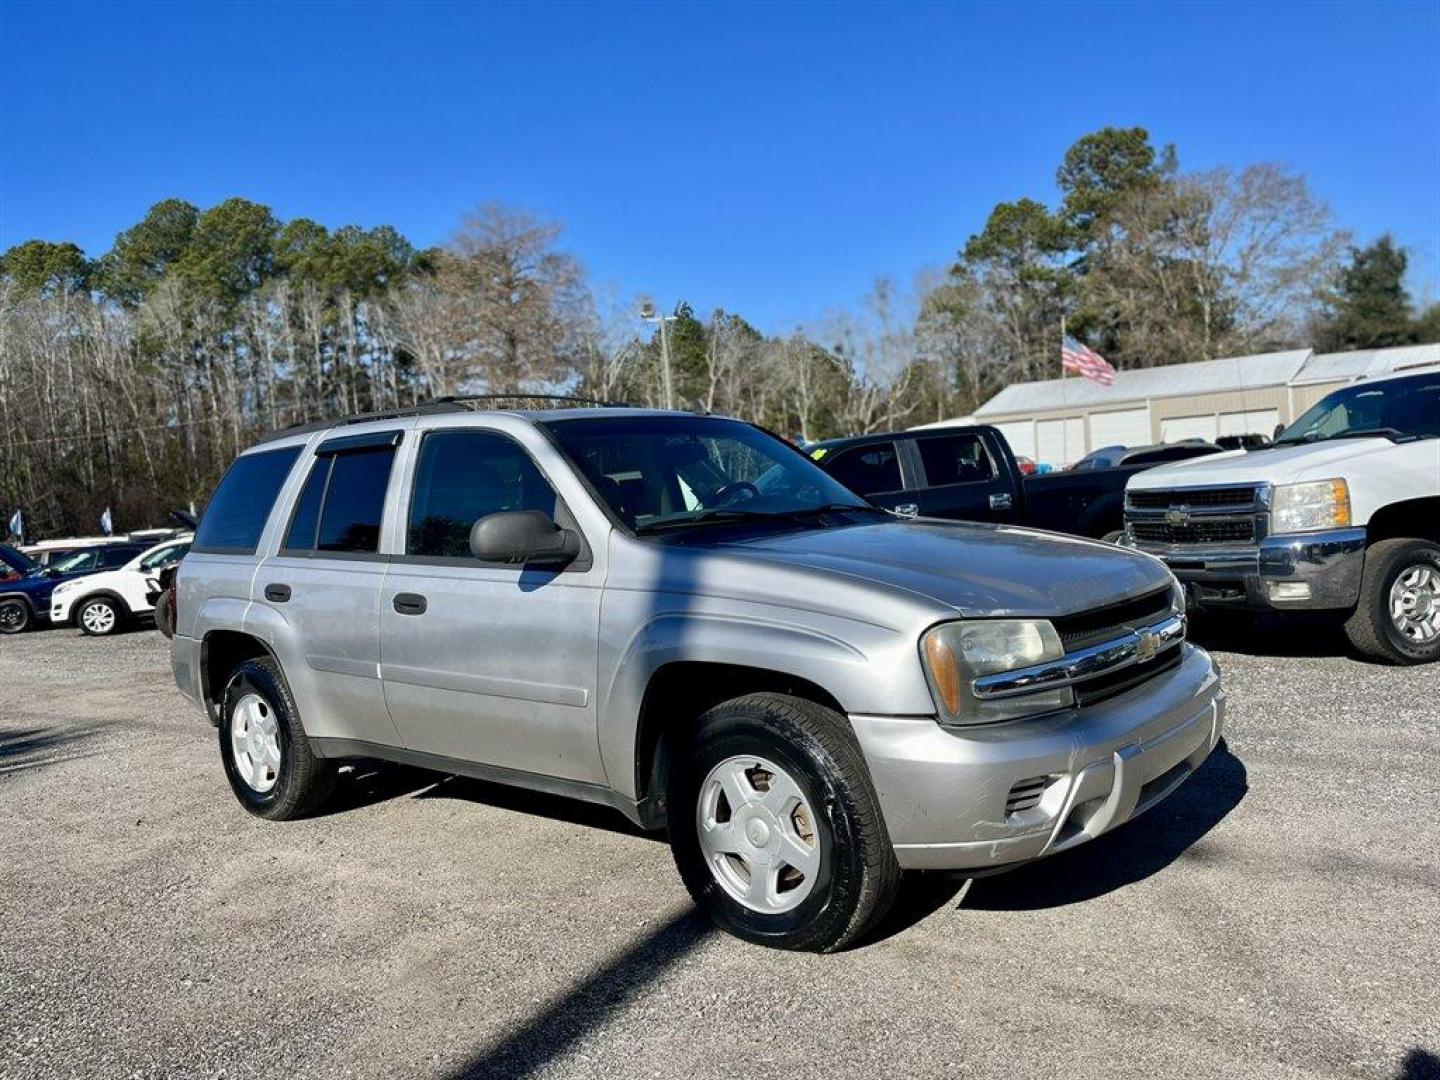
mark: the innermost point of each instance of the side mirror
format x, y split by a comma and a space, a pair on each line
1279, 429
527, 537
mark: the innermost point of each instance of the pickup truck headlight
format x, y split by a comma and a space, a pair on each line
1320, 504
957, 653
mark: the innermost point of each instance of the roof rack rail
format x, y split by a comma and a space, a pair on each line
569, 399
449, 404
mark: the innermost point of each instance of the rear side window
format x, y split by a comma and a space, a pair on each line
955, 459
867, 470
461, 477
340, 508
236, 516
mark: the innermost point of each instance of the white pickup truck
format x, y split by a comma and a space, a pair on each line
1341, 514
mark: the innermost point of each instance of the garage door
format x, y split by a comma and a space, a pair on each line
1020, 435
1120, 427
1188, 427
1060, 442
1254, 422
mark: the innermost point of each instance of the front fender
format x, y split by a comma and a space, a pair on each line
863, 666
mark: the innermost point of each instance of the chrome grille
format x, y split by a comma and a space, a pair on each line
1217, 515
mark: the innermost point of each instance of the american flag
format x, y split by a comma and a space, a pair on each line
1085, 361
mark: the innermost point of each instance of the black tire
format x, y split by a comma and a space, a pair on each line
1370, 628
303, 781
164, 617
15, 615
98, 606
857, 877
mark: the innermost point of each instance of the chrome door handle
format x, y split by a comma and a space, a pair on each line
908, 510
1002, 501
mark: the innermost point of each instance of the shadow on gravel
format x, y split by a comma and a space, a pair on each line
369, 783
1131, 853
1419, 1065
22, 748
587, 1007
536, 803
1295, 634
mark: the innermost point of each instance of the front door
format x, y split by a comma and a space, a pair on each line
481, 662
961, 480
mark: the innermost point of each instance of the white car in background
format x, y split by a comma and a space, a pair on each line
100, 603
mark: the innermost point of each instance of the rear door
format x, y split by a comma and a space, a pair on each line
325, 582
490, 663
962, 479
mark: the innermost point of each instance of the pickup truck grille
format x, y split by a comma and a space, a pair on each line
1220, 515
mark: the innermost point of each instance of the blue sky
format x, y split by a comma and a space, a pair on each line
768, 158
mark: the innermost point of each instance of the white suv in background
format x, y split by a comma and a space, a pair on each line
99, 603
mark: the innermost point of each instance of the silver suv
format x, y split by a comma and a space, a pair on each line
683, 618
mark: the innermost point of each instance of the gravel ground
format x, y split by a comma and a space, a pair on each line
1278, 917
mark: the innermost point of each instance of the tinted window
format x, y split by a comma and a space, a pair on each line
173, 553
868, 469
74, 561
955, 459
461, 477
118, 556
236, 515
341, 505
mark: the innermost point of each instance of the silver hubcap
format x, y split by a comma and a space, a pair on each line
1415, 603
98, 618
255, 742
757, 833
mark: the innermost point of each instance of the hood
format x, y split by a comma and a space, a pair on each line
978, 570
1277, 465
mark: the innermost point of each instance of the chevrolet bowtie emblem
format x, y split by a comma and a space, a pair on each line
1147, 646
1176, 517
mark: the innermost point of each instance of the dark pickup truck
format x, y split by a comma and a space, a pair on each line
970, 474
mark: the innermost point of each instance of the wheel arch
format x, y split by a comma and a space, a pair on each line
221, 652
679, 693
102, 594
1411, 518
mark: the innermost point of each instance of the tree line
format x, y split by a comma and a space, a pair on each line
131, 379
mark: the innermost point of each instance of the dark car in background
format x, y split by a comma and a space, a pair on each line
25, 600
14, 563
971, 474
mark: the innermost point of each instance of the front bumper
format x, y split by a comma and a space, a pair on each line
944, 791
60, 610
1302, 571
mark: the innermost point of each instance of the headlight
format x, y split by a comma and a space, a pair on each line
63, 587
955, 654
1178, 600
1321, 504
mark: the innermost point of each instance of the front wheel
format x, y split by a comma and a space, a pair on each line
98, 617
1398, 617
776, 827
14, 616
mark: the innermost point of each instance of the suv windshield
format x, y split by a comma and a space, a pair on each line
1407, 408
663, 471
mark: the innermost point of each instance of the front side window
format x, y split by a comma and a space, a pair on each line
340, 507
461, 477
655, 472
1400, 408
868, 470
955, 459
236, 515
173, 553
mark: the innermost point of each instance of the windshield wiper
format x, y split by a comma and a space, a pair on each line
727, 514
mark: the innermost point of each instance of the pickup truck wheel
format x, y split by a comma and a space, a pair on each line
98, 617
14, 616
266, 753
1398, 616
775, 826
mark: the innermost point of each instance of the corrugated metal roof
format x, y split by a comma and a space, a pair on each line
1343, 366
1176, 380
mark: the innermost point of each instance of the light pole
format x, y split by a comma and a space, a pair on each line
650, 315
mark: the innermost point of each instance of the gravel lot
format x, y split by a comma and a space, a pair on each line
1278, 917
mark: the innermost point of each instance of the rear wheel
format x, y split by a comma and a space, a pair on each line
98, 617
265, 750
775, 826
14, 616
1398, 617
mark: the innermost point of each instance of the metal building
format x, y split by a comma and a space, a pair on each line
1058, 421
